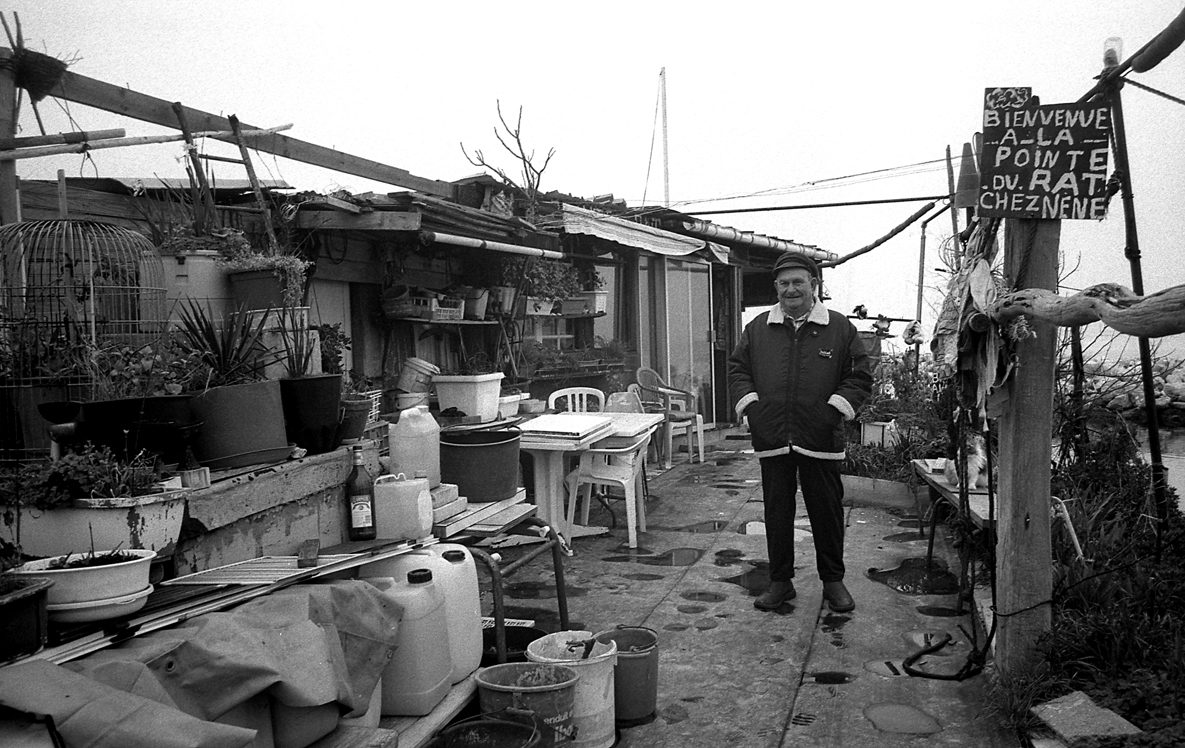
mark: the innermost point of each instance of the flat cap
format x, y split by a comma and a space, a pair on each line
796, 260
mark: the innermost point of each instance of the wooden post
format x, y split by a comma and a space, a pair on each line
1024, 570
9, 200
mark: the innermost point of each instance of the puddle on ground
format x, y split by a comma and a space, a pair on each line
715, 525
900, 718
673, 557
540, 590
643, 577
914, 577
728, 557
702, 596
834, 622
691, 609
833, 678
706, 624
673, 714
910, 523
756, 527
676, 627
755, 580
903, 537
938, 611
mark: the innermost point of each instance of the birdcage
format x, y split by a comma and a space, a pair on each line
67, 288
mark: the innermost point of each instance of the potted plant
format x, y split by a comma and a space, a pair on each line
358, 402
261, 280
94, 585
544, 282
312, 402
24, 622
89, 497
472, 390
138, 399
590, 299
232, 357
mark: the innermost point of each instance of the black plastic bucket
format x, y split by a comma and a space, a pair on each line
483, 464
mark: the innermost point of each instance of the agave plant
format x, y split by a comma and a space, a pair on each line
233, 352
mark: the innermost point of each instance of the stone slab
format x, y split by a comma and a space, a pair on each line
1076, 716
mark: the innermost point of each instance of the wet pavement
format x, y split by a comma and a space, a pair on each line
731, 675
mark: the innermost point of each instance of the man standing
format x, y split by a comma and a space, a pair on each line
798, 372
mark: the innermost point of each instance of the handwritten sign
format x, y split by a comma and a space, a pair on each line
1039, 161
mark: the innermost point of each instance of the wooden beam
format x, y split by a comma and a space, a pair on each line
330, 201
379, 220
80, 89
10, 209
1023, 549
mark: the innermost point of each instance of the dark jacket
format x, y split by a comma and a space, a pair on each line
798, 386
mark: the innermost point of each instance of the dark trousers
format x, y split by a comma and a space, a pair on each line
822, 493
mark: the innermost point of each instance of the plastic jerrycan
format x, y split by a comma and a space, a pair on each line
414, 444
403, 507
419, 674
455, 573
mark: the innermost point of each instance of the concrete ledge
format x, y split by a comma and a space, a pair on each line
269, 511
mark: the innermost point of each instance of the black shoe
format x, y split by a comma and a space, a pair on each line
778, 593
838, 598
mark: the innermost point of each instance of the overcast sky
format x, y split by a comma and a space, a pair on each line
773, 101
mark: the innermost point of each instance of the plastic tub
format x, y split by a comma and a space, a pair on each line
593, 714
416, 375
482, 464
635, 679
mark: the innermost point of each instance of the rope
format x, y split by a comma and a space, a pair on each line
1152, 90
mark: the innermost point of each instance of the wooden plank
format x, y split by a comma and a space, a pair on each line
977, 499
1024, 575
502, 521
333, 202
64, 137
379, 220
95, 93
349, 736
477, 512
417, 731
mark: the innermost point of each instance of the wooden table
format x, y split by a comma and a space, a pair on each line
930, 471
548, 452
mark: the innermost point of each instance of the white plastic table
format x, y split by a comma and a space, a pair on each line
548, 451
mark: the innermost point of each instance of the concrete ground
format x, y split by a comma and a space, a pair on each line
731, 675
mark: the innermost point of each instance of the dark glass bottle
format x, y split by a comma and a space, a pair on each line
360, 522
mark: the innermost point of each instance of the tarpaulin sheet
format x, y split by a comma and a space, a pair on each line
304, 646
89, 714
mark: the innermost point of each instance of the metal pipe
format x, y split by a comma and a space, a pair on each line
819, 205
466, 241
1132, 252
917, 347
728, 234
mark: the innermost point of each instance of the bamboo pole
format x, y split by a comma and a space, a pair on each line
7, 144
53, 150
1023, 547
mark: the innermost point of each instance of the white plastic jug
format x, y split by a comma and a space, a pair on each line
419, 674
402, 507
414, 443
455, 575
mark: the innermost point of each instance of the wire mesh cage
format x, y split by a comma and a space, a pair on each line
67, 289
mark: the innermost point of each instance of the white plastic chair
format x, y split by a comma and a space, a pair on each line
613, 466
578, 399
679, 406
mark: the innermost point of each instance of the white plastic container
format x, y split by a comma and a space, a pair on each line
455, 575
473, 395
402, 507
414, 444
417, 374
419, 674
593, 714
462, 599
